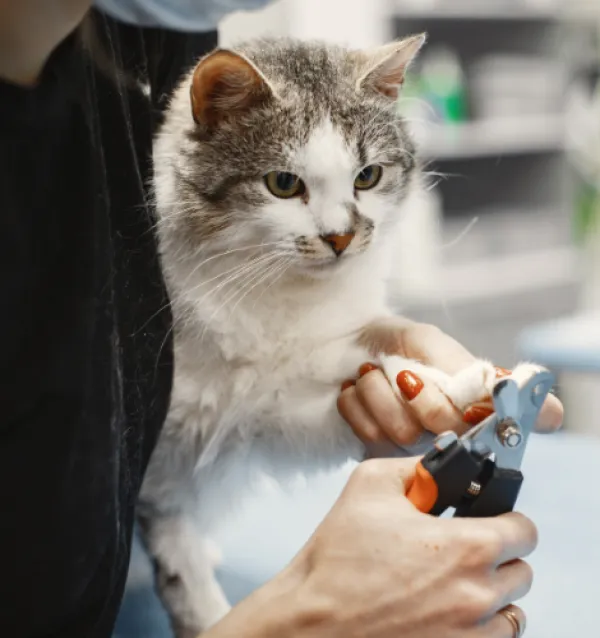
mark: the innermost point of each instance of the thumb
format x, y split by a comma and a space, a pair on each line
383, 476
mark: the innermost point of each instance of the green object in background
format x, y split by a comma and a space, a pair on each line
454, 106
587, 210
443, 85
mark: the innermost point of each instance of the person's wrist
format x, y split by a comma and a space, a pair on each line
282, 607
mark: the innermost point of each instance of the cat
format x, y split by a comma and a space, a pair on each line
281, 172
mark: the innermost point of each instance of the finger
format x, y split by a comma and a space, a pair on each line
358, 418
378, 398
428, 405
428, 344
513, 581
516, 535
501, 625
384, 476
551, 415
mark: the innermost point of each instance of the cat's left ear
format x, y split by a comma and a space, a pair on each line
386, 66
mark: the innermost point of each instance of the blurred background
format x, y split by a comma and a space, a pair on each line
502, 249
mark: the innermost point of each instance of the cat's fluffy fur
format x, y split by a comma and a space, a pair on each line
268, 320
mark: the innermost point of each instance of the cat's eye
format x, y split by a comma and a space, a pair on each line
368, 178
284, 185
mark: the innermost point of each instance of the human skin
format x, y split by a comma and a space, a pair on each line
377, 567
377, 416
30, 30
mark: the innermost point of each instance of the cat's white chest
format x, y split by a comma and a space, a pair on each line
293, 390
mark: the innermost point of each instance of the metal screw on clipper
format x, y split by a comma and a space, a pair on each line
509, 434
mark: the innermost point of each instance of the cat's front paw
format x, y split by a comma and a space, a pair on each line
431, 401
469, 391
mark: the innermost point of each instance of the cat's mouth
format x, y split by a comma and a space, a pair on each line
324, 266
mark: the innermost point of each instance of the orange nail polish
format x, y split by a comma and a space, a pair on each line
366, 367
475, 414
409, 383
502, 372
348, 383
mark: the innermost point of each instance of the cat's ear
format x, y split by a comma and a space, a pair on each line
226, 84
386, 66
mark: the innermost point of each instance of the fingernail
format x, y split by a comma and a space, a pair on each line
348, 383
475, 414
366, 367
502, 372
409, 383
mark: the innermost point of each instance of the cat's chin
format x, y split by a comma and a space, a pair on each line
322, 269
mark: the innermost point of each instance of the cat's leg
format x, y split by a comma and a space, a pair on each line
169, 512
184, 563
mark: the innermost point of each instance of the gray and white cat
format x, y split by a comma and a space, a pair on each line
280, 176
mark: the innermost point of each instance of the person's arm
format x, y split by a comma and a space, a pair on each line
376, 567
30, 30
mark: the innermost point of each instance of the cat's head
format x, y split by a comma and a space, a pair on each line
294, 146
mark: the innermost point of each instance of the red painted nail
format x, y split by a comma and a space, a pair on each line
409, 383
502, 372
475, 414
366, 368
348, 383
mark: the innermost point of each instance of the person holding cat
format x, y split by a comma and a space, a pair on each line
87, 365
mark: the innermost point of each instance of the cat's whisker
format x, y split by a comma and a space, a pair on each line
284, 268
463, 233
163, 343
274, 268
239, 275
437, 174
230, 252
244, 279
251, 270
235, 269
420, 101
185, 296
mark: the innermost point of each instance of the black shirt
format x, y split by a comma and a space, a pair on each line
86, 363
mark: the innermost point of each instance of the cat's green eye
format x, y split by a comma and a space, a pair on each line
368, 178
284, 185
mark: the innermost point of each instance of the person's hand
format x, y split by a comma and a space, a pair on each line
377, 567
30, 30
379, 418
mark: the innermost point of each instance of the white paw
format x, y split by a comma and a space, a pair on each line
472, 386
392, 365
524, 371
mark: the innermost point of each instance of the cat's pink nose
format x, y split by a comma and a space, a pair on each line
338, 243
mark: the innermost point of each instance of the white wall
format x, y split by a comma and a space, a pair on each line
272, 20
358, 23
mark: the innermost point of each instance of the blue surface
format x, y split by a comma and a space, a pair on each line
569, 343
561, 493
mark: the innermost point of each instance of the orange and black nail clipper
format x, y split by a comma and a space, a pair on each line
479, 473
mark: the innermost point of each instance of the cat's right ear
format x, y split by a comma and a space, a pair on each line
226, 84
386, 66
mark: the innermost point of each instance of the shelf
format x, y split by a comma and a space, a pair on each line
492, 137
491, 10
497, 277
